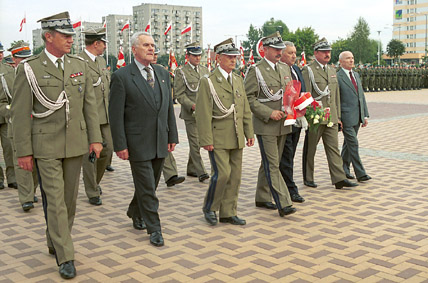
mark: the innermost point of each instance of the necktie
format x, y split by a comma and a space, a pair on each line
59, 66
150, 79
353, 81
229, 79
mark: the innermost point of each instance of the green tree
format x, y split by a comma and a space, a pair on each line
253, 36
338, 47
272, 26
303, 39
395, 48
359, 41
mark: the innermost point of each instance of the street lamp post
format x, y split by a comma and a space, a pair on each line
378, 48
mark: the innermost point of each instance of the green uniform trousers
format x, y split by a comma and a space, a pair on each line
94, 172
7, 155
59, 183
226, 170
169, 167
270, 182
195, 165
331, 146
27, 181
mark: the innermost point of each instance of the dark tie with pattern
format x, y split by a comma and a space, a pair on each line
150, 79
353, 81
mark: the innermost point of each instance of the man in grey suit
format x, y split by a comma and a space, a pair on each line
354, 112
143, 127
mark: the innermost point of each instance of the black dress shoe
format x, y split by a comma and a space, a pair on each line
138, 223
267, 205
311, 184
109, 168
192, 174
203, 177
345, 183
349, 176
36, 199
287, 211
297, 198
364, 178
156, 239
235, 220
174, 180
13, 185
210, 217
95, 201
27, 206
1, 185
51, 250
67, 270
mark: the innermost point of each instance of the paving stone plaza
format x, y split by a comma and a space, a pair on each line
376, 232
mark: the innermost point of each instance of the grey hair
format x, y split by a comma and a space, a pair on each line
342, 54
135, 36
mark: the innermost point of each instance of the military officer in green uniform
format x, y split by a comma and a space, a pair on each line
321, 82
93, 171
27, 181
223, 120
169, 170
7, 74
55, 122
264, 84
186, 86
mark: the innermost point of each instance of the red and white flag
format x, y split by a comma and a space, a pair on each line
209, 60
168, 28
120, 59
303, 60
24, 21
147, 27
187, 29
126, 26
77, 24
172, 62
242, 65
251, 58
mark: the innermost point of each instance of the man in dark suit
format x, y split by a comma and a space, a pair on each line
143, 129
354, 112
286, 164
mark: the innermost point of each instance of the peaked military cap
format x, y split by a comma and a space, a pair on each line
96, 33
60, 22
274, 40
193, 48
20, 50
322, 45
1, 47
226, 47
9, 60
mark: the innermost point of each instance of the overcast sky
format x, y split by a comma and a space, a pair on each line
332, 19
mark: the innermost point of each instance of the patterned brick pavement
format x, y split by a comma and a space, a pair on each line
376, 232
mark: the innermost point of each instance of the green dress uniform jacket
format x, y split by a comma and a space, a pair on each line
8, 75
93, 172
56, 144
329, 134
271, 134
186, 85
228, 137
27, 181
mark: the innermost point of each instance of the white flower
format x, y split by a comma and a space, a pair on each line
330, 124
317, 116
316, 121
